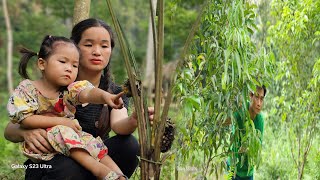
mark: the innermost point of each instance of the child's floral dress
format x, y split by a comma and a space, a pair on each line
27, 101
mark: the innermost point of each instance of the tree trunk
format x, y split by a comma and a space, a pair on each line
81, 10
9, 46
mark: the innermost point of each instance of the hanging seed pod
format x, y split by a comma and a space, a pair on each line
168, 136
126, 88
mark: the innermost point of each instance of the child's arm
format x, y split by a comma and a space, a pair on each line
98, 96
40, 121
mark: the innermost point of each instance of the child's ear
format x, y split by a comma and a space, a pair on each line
41, 64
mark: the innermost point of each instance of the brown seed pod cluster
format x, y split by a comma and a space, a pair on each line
126, 88
168, 136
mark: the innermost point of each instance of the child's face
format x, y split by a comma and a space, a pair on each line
61, 68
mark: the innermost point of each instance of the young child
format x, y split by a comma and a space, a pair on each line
56, 94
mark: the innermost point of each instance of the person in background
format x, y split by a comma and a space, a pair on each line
244, 172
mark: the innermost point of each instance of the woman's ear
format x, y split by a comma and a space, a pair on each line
41, 64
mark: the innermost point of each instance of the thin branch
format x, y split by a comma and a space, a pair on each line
292, 153
155, 42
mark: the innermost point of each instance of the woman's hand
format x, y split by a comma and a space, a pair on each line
123, 124
36, 140
134, 116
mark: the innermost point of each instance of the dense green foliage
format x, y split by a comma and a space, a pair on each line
293, 33
228, 50
223, 66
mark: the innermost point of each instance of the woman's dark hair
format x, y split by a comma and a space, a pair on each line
47, 47
76, 35
79, 28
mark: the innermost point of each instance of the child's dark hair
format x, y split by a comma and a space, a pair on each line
46, 49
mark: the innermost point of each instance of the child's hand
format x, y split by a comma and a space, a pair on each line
115, 101
73, 124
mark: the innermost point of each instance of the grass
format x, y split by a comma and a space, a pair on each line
9, 153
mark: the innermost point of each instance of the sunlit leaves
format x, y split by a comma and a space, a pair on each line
295, 37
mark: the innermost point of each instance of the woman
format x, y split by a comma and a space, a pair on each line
95, 40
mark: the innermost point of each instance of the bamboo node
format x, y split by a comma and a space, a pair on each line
150, 161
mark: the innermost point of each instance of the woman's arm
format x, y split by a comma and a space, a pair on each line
36, 139
123, 124
14, 133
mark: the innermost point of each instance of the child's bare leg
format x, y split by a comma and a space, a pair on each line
107, 161
87, 161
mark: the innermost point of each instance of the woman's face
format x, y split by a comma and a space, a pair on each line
95, 46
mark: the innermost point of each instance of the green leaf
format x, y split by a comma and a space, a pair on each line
194, 101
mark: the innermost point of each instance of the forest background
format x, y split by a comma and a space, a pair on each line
278, 40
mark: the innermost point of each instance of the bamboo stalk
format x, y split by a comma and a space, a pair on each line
158, 69
137, 101
145, 124
158, 124
143, 99
152, 12
151, 160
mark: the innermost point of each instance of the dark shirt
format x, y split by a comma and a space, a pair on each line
88, 115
